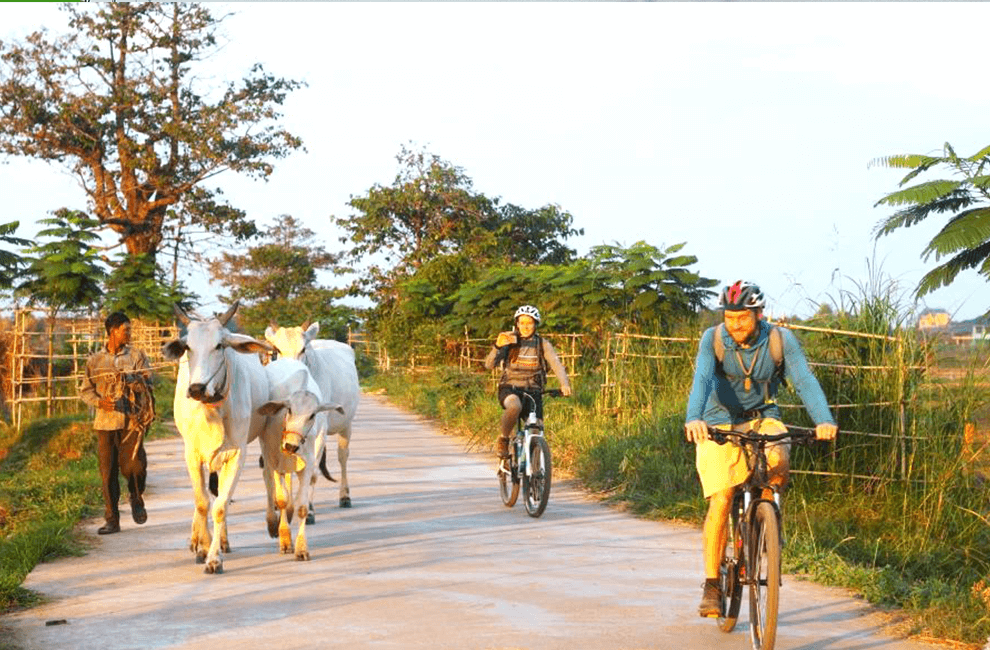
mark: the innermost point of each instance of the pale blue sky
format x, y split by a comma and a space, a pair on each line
745, 130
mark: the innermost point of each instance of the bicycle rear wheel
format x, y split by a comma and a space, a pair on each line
730, 573
764, 590
536, 487
508, 482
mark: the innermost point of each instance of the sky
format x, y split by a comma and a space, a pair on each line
744, 130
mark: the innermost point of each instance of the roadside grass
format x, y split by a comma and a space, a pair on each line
49, 481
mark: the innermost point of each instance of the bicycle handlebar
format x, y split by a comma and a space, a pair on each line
797, 434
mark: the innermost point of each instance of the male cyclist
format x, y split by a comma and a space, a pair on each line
738, 392
524, 356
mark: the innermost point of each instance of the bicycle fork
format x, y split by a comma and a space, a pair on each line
525, 464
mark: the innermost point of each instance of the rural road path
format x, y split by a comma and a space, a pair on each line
428, 557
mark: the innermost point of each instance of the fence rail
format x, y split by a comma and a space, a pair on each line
44, 360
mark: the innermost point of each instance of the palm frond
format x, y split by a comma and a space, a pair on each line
921, 193
966, 230
944, 274
980, 155
903, 161
958, 200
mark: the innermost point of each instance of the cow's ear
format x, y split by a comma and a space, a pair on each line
244, 344
270, 408
297, 380
312, 331
174, 349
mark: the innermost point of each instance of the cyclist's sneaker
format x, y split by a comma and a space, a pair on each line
505, 465
711, 601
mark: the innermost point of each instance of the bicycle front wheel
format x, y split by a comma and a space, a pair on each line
508, 483
764, 589
536, 486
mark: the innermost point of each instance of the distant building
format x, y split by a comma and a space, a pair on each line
932, 319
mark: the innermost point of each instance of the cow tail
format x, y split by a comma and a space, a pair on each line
323, 466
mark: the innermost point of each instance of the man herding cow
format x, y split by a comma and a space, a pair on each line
117, 383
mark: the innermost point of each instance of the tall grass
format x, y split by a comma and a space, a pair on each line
49, 481
914, 534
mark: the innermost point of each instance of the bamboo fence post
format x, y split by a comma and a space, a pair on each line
901, 379
51, 352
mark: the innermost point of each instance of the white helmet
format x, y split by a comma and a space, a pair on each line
528, 310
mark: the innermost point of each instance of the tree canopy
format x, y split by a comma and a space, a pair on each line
963, 243
65, 271
120, 102
431, 210
10, 262
276, 280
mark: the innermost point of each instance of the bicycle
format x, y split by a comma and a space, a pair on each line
529, 464
754, 539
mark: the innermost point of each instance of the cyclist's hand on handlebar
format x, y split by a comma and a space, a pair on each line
505, 338
696, 431
826, 431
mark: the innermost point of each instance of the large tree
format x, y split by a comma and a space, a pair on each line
121, 101
431, 210
276, 280
964, 241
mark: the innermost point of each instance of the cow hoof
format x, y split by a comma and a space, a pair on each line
273, 528
302, 556
214, 568
345, 502
311, 518
201, 557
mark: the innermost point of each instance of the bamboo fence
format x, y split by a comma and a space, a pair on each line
47, 368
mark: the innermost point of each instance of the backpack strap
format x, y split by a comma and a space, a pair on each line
718, 344
541, 355
776, 344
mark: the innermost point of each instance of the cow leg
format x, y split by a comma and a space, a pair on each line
228, 475
283, 499
271, 518
319, 449
199, 538
302, 548
343, 451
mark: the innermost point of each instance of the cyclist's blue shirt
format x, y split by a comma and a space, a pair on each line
719, 395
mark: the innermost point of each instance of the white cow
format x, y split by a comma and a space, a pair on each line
288, 446
332, 365
220, 386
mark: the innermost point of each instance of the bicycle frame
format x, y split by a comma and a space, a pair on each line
524, 435
750, 524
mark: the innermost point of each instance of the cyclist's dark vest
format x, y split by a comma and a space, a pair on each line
541, 376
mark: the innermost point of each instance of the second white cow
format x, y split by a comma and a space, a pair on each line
333, 368
298, 417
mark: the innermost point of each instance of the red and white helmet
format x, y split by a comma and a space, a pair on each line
527, 310
742, 295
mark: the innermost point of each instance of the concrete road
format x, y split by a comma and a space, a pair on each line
428, 557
